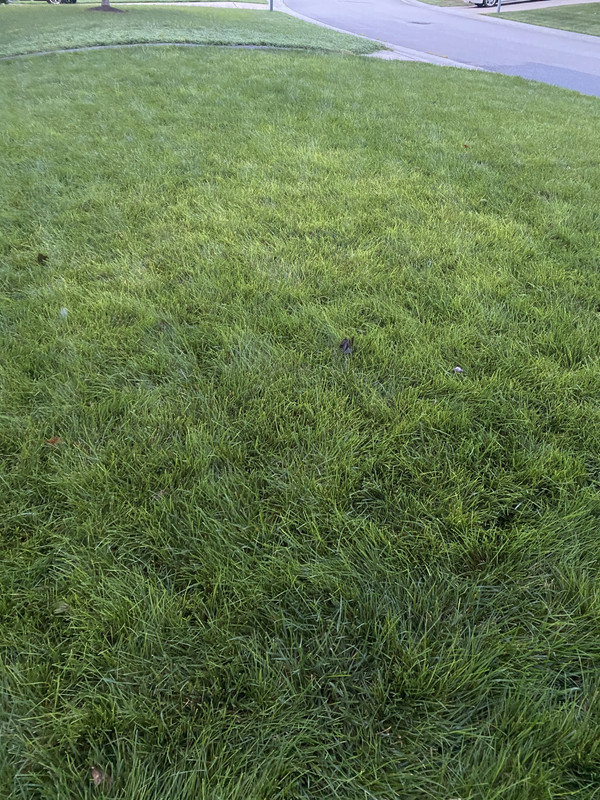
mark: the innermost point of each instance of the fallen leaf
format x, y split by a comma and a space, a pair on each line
98, 775
54, 441
466, 145
42, 258
61, 608
346, 346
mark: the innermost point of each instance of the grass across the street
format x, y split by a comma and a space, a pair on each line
584, 18
235, 562
27, 29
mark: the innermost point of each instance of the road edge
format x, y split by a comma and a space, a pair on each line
392, 52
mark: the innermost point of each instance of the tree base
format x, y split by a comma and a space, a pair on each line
108, 8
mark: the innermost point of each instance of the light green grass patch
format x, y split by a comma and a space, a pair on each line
584, 18
27, 29
236, 563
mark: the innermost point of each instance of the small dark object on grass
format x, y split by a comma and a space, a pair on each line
42, 258
98, 776
347, 345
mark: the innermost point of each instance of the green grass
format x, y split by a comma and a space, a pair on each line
253, 568
121, 2
583, 18
27, 29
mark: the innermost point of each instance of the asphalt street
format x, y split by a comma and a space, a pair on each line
558, 57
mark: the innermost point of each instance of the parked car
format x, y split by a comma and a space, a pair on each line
60, 2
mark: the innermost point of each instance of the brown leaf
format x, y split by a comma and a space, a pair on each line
42, 258
98, 775
466, 145
54, 441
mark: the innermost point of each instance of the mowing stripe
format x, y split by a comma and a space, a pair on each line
171, 44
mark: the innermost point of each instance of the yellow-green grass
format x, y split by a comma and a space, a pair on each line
584, 18
236, 563
33, 28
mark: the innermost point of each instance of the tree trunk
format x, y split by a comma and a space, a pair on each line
105, 3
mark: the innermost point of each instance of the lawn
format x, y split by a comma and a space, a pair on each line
120, 2
27, 29
583, 18
237, 563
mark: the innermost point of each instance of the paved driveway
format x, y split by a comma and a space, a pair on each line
562, 58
